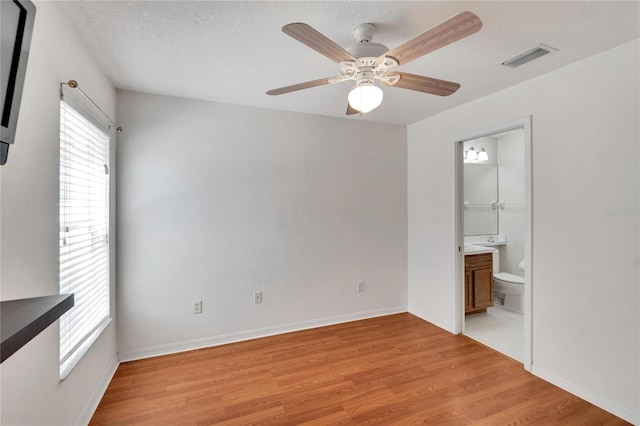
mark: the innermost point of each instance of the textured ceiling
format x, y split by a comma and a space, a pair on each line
233, 52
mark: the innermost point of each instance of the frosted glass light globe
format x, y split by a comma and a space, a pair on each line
472, 154
365, 97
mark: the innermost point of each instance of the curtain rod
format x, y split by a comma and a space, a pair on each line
74, 85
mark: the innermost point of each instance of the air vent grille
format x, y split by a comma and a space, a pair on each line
528, 56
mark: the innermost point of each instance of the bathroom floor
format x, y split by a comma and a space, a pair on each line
499, 329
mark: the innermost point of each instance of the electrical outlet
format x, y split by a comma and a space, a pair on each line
360, 286
257, 297
197, 306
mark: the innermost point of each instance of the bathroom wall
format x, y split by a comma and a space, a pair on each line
510, 156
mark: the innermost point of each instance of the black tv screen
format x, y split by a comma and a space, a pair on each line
15, 31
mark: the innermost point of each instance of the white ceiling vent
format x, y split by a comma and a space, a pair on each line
528, 56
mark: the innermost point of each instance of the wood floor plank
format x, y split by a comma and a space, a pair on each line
396, 369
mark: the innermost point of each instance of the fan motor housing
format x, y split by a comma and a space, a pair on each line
365, 48
364, 33
365, 73
368, 50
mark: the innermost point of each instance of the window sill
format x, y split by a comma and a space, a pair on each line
72, 361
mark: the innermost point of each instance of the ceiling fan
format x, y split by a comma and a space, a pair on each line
373, 61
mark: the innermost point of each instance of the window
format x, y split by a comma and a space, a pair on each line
84, 233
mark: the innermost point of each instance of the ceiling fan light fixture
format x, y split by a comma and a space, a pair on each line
365, 97
374, 61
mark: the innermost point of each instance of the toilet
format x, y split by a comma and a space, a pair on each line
509, 288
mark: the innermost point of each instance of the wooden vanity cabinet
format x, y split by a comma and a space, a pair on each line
478, 282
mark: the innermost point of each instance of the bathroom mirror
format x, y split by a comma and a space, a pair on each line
480, 199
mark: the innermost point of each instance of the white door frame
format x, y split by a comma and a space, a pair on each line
458, 191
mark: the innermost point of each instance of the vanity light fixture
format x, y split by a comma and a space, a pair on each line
471, 154
482, 155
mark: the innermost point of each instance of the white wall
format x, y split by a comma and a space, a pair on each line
511, 190
32, 393
586, 264
218, 201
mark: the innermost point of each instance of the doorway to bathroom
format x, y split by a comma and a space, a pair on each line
493, 238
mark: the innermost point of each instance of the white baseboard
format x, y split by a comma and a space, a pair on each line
93, 401
590, 396
252, 334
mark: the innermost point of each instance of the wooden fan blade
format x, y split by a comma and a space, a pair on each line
305, 34
423, 84
299, 86
351, 111
460, 26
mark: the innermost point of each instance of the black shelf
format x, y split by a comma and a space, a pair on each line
23, 319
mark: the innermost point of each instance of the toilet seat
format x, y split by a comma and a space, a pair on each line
510, 278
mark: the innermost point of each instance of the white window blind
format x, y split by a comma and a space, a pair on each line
84, 233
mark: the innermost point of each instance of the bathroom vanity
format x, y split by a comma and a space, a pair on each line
478, 282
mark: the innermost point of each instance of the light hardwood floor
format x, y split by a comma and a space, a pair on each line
392, 370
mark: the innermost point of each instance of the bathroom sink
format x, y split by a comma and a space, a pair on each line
474, 249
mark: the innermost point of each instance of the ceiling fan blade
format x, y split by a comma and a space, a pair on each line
423, 84
299, 86
351, 111
460, 26
307, 35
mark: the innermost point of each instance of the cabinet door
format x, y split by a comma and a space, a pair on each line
468, 291
482, 288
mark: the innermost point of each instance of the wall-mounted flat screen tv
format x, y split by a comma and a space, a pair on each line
16, 26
